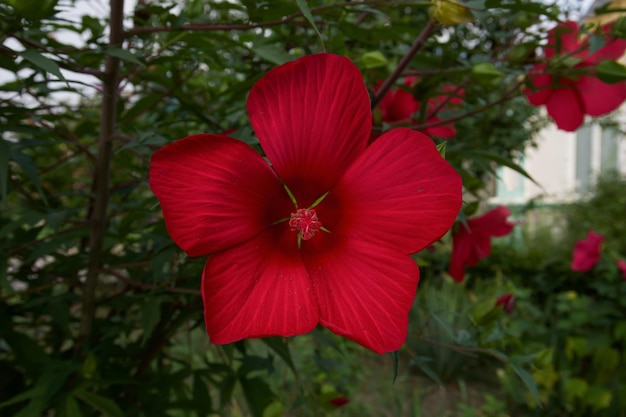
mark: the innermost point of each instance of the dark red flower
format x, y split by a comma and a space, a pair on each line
621, 265
472, 242
568, 98
324, 233
507, 301
587, 252
339, 401
399, 106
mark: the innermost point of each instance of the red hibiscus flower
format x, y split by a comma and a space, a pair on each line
472, 242
507, 301
323, 233
587, 252
398, 106
621, 265
568, 98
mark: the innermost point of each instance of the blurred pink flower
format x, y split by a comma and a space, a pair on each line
621, 265
472, 242
587, 252
569, 98
507, 301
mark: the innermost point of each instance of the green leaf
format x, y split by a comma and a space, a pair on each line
124, 55
394, 358
150, 316
374, 59
441, 148
42, 62
487, 72
503, 162
611, 72
306, 12
281, 348
526, 378
100, 403
271, 53
258, 395
28, 166
71, 407
4, 168
422, 363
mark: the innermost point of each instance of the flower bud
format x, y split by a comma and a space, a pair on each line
450, 12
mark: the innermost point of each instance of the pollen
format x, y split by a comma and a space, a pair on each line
305, 222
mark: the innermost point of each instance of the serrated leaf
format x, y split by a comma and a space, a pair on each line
306, 12
42, 62
105, 405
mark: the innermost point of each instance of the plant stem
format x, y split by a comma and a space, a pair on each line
97, 215
417, 45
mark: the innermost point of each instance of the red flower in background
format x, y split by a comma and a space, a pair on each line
621, 265
568, 99
324, 233
339, 401
472, 242
398, 106
507, 301
587, 252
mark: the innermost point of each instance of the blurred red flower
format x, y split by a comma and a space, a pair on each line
507, 301
621, 265
339, 401
324, 233
587, 252
472, 242
568, 98
398, 107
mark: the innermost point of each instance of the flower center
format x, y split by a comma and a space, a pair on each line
305, 222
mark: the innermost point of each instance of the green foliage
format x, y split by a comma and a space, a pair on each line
102, 313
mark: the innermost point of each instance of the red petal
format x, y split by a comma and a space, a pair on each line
365, 293
313, 118
541, 92
400, 194
600, 98
587, 252
461, 252
397, 106
258, 289
492, 223
215, 192
566, 109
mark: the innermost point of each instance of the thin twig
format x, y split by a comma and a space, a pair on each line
417, 45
